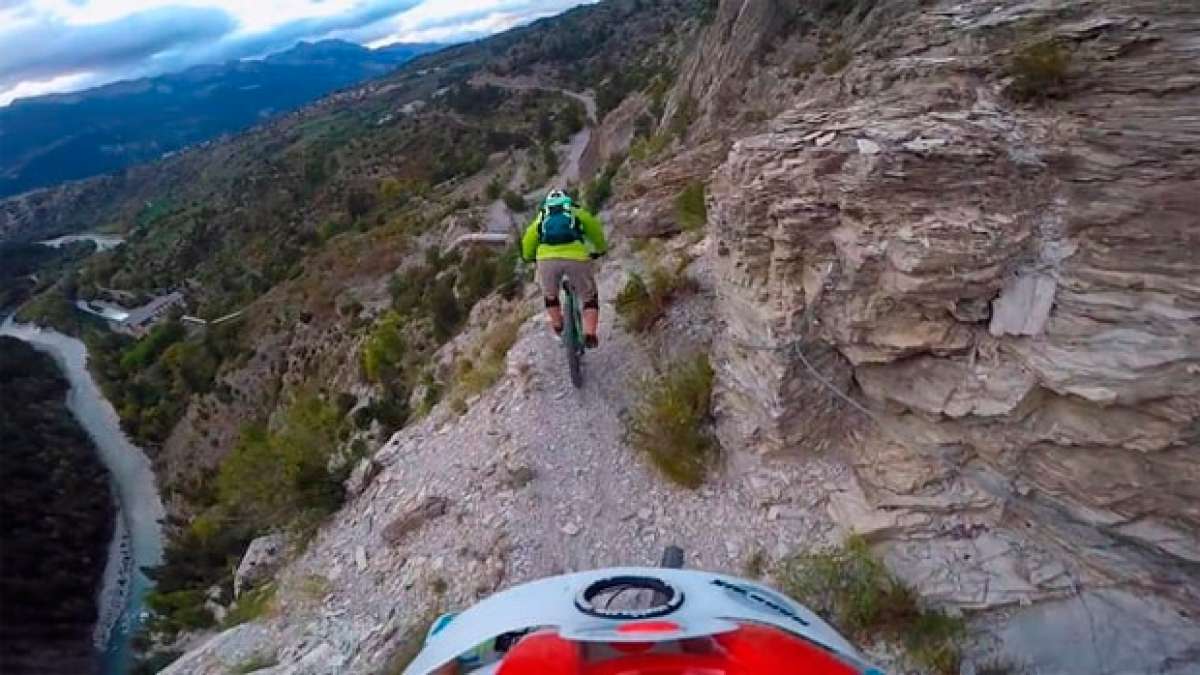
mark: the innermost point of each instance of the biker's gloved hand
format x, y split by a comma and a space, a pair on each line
596, 256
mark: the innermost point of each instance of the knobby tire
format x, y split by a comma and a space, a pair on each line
573, 341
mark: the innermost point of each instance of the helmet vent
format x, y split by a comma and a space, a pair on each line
628, 598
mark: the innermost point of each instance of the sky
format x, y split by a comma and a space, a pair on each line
49, 46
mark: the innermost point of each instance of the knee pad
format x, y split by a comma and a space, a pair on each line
551, 303
592, 303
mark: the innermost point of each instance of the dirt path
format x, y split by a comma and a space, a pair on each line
531, 84
569, 172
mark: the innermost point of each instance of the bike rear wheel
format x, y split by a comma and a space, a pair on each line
573, 338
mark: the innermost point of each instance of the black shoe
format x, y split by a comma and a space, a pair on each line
591, 341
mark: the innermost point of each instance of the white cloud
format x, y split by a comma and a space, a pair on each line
65, 45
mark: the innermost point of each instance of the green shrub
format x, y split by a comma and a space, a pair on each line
856, 592
690, 210
178, 611
837, 60
684, 116
146, 350
1040, 71
514, 202
600, 188
253, 604
494, 189
670, 421
272, 476
640, 304
383, 351
255, 663
649, 147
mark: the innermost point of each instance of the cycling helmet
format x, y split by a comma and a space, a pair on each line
557, 198
638, 621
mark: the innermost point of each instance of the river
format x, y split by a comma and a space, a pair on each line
137, 542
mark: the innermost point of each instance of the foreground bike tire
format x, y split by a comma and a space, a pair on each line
573, 340
672, 558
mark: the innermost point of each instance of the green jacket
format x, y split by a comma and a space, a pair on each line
593, 235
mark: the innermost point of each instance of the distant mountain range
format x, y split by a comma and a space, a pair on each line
59, 137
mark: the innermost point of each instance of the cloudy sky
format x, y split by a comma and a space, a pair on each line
66, 45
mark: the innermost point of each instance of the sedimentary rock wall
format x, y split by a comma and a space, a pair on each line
1010, 287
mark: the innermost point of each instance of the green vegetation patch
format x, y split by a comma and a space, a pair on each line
1040, 71
253, 604
836, 60
670, 421
856, 592
256, 663
271, 476
642, 302
690, 210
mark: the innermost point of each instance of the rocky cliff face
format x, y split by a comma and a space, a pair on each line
951, 284
1008, 292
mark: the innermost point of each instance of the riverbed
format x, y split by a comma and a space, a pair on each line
137, 542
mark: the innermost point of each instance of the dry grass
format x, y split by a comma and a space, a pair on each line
477, 373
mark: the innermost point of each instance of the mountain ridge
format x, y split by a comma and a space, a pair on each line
58, 137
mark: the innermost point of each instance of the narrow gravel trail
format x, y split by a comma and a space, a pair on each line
534, 479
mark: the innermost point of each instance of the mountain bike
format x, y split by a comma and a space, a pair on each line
572, 336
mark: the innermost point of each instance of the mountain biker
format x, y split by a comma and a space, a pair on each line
564, 239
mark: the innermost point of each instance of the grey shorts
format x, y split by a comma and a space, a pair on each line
579, 272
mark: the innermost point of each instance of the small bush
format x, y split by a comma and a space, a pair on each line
690, 210
252, 604
755, 565
670, 421
856, 592
256, 662
1040, 71
476, 374
836, 61
494, 189
684, 116
514, 202
600, 188
648, 147
640, 304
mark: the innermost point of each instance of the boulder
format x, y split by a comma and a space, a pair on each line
361, 476
414, 519
261, 560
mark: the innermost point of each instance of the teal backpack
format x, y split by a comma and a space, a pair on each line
558, 223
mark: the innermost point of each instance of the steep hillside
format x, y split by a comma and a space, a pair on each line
940, 256
60, 137
57, 525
